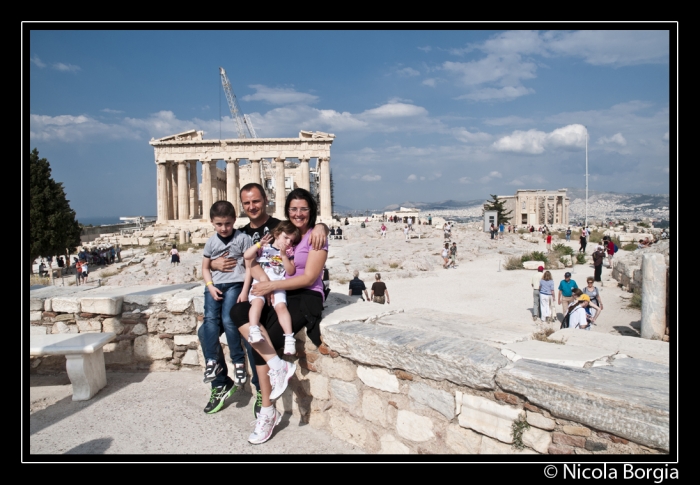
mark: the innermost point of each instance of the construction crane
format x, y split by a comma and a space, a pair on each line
241, 119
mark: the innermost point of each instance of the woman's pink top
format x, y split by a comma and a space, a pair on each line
301, 255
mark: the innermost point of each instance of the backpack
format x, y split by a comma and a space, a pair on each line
614, 248
565, 321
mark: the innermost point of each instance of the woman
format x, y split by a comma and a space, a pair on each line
383, 229
174, 256
582, 242
596, 304
379, 292
446, 255
304, 301
546, 296
577, 313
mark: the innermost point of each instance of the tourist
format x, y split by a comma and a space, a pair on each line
492, 229
78, 272
274, 260
430, 220
379, 292
446, 229
357, 286
578, 318
582, 241
594, 296
501, 230
42, 269
535, 283
549, 241
446, 256
338, 233
85, 269
332, 233
568, 234
611, 253
410, 223
175, 256
305, 299
405, 233
119, 253
346, 221
546, 296
565, 287
383, 231
453, 255
221, 291
598, 257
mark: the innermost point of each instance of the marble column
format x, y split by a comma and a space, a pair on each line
183, 197
232, 184
325, 189
174, 193
162, 191
169, 179
214, 181
304, 167
206, 189
653, 296
280, 191
194, 190
255, 171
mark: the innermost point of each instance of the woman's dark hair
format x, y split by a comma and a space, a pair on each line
174, 246
302, 194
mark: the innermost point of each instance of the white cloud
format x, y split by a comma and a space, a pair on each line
411, 177
165, 123
515, 182
60, 66
408, 72
279, 95
465, 180
665, 137
535, 141
495, 174
616, 138
395, 110
429, 82
112, 111
611, 47
371, 178
466, 136
69, 128
427, 48
36, 61
506, 70
506, 93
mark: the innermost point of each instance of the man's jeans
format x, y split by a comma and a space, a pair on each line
217, 320
568, 237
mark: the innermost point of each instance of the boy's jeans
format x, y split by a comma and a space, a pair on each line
217, 320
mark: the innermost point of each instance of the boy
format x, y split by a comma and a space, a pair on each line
276, 264
453, 255
222, 291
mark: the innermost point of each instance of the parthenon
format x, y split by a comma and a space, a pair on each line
178, 191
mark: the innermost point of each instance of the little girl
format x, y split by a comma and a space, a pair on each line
174, 256
276, 263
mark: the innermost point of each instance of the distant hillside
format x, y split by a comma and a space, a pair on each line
445, 204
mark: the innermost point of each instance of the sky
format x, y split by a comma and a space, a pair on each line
419, 115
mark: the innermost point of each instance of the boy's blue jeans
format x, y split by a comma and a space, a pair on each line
217, 320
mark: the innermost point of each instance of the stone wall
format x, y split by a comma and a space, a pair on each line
391, 389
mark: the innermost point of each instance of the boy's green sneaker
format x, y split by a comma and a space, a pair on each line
219, 396
257, 404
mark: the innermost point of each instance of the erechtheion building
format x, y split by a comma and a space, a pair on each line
267, 160
537, 207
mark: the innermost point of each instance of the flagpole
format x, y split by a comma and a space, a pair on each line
586, 222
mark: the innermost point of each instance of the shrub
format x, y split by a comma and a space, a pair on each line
628, 247
563, 249
393, 265
595, 237
643, 224
534, 256
581, 258
513, 262
636, 301
372, 269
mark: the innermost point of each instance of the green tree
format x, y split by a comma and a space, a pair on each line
498, 205
52, 225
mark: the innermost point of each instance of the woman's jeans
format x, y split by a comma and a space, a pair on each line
217, 320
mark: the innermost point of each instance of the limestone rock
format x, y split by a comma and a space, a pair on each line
344, 391
113, 325
440, 401
139, 329
151, 348
89, 326
537, 439
378, 378
391, 446
339, 368
191, 358
414, 427
463, 441
318, 386
539, 421
347, 429
37, 330
173, 324
487, 417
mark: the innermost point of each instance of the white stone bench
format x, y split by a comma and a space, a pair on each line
415, 235
85, 362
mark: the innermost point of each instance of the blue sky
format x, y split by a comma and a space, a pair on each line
418, 115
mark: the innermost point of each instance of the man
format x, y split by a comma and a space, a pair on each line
410, 223
453, 255
598, 257
535, 283
611, 253
501, 230
339, 233
332, 234
568, 234
566, 286
357, 286
493, 230
430, 220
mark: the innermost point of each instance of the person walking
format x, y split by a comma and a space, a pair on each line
568, 234
379, 292
174, 256
453, 255
596, 301
565, 292
611, 252
446, 256
598, 257
546, 296
535, 283
582, 241
357, 286
405, 232
501, 230
549, 242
